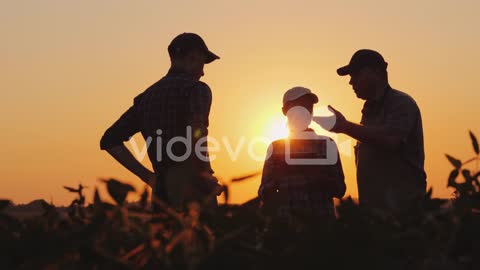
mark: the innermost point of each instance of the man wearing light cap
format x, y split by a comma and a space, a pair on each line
302, 173
176, 106
390, 152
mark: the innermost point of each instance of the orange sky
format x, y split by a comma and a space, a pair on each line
70, 69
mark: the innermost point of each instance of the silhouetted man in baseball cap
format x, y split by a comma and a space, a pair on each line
389, 153
175, 109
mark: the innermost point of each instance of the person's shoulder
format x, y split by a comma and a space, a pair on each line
277, 143
277, 146
400, 98
201, 90
202, 86
401, 95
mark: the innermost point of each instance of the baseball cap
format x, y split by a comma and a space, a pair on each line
187, 42
363, 58
297, 92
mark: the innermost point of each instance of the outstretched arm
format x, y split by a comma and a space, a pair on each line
367, 134
374, 135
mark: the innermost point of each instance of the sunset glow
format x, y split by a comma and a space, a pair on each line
71, 68
277, 128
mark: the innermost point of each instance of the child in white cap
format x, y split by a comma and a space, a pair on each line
303, 172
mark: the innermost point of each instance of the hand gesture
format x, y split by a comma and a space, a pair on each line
340, 121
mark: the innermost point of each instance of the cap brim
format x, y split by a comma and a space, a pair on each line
211, 57
343, 71
314, 97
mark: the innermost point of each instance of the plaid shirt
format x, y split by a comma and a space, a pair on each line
305, 189
169, 105
388, 179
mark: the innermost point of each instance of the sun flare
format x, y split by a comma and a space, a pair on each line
277, 128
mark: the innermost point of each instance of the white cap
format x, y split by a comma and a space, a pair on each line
297, 92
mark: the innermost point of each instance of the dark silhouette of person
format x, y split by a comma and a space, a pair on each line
389, 152
172, 116
302, 173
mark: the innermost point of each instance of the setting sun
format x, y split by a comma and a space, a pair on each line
277, 128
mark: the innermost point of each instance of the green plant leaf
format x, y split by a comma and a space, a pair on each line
474, 142
70, 189
455, 162
451, 179
118, 190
